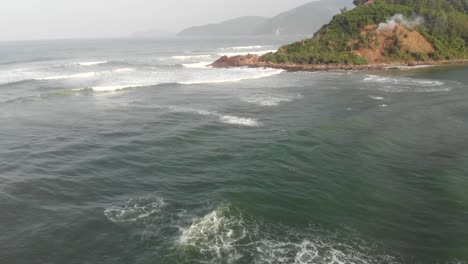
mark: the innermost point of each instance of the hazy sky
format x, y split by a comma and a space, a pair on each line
45, 19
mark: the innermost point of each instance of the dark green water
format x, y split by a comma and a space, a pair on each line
327, 167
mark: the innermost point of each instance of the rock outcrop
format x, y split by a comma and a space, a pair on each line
236, 61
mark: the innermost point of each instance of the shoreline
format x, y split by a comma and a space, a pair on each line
252, 61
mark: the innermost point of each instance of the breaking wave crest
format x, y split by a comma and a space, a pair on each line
243, 47
230, 54
227, 119
188, 57
248, 75
269, 100
214, 236
135, 209
72, 76
224, 236
90, 63
197, 65
403, 84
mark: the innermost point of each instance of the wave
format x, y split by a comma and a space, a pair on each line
230, 54
225, 236
234, 120
214, 236
90, 63
403, 84
111, 88
227, 119
402, 67
243, 47
260, 74
379, 79
73, 76
135, 209
188, 57
377, 98
120, 70
268, 100
197, 65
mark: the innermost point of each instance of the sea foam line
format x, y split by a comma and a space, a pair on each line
214, 81
243, 47
231, 54
197, 65
188, 57
72, 76
90, 63
227, 119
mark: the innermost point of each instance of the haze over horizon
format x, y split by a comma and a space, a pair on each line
57, 19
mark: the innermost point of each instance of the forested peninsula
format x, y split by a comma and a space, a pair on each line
376, 34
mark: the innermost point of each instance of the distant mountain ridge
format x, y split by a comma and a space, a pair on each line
235, 27
302, 20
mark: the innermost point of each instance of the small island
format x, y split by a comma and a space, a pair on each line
375, 35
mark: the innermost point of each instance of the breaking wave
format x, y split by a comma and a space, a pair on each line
188, 57
224, 236
243, 47
402, 84
227, 119
90, 63
230, 54
377, 98
249, 74
197, 65
135, 209
269, 100
72, 76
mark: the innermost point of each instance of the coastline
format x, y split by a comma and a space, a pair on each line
253, 61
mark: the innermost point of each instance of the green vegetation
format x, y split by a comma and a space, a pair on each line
445, 27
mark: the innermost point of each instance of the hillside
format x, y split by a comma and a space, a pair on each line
385, 32
302, 20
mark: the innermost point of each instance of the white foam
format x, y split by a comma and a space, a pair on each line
135, 209
403, 84
249, 74
243, 47
227, 119
121, 70
111, 88
91, 63
214, 236
72, 76
197, 65
234, 120
404, 67
224, 236
377, 98
231, 54
269, 100
188, 57
379, 79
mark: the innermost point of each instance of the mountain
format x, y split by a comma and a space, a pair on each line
302, 20
235, 27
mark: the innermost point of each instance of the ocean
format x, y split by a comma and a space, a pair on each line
134, 151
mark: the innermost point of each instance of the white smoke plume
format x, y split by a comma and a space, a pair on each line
400, 19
